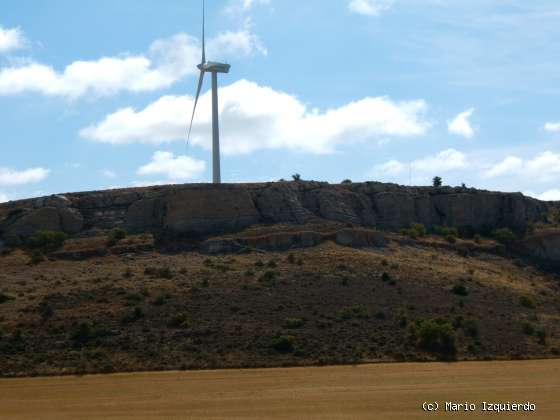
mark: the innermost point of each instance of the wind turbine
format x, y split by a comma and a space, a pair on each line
214, 68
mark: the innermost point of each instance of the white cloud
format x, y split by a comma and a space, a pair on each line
460, 125
107, 173
544, 167
240, 43
11, 39
369, 7
550, 195
254, 117
4, 198
553, 127
244, 5
175, 168
391, 168
10, 177
445, 161
509, 165
167, 61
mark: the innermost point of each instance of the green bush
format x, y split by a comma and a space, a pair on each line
179, 321
136, 314
528, 328
45, 241
84, 332
5, 298
460, 290
446, 231
296, 177
437, 182
116, 235
527, 302
159, 272
504, 235
160, 299
353, 312
416, 230
437, 337
283, 344
471, 328
293, 323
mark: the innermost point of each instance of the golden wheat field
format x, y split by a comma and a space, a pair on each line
383, 391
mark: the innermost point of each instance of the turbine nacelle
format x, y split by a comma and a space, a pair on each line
212, 67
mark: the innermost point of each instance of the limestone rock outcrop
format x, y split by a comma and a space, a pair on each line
203, 210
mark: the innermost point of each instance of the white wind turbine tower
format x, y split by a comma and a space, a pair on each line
214, 68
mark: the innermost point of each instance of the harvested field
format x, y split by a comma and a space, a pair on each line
384, 391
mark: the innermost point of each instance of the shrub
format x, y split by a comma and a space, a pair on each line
45, 310
293, 323
46, 241
179, 321
437, 337
115, 235
446, 231
541, 336
471, 328
353, 312
296, 177
416, 230
477, 238
5, 298
283, 344
527, 302
83, 332
528, 328
437, 182
504, 235
460, 290
136, 314
271, 264
159, 272
268, 276
160, 299
386, 277
347, 181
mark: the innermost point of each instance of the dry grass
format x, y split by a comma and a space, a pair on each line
385, 391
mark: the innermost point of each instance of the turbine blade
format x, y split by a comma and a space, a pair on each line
203, 32
200, 80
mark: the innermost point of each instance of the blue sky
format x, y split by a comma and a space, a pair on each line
98, 94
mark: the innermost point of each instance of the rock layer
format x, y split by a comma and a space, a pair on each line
198, 210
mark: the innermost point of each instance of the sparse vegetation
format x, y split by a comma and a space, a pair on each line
45, 241
115, 235
504, 236
293, 323
136, 314
437, 182
296, 177
353, 312
527, 302
416, 230
283, 344
181, 320
5, 298
460, 290
159, 272
437, 336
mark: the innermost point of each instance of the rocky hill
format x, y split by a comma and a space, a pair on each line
202, 210
289, 273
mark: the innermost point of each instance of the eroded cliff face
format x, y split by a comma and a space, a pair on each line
198, 210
